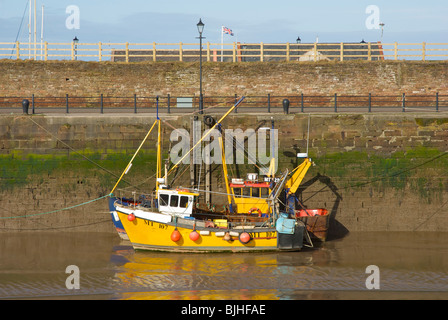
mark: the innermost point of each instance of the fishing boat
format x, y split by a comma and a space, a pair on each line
174, 220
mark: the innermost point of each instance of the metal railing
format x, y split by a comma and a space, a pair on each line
231, 52
259, 103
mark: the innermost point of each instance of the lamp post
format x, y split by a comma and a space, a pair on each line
75, 41
200, 26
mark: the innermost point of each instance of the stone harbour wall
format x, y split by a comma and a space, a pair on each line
373, 172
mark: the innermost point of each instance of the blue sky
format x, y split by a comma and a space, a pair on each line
271, 21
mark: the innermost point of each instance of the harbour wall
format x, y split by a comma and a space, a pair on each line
373, 172
86, 79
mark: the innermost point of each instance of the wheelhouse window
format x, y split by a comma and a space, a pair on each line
183, 202
246, 192
264, 192
237, 192
256, 192
163, 198
174, 200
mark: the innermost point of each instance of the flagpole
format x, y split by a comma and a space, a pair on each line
222, 42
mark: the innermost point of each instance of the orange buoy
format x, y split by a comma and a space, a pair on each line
244, 238
194, 235
175, 235
131, 217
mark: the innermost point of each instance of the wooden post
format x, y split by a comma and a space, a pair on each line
342, 52
154, 51
181, 57
369, 52
287, 51
234, 52
127, 51
261, 51
46, 50
18, 50
315, 51
396, 51
73, 50
208, 51
424, 51
100, 52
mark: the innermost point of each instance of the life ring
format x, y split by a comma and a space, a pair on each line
252, 210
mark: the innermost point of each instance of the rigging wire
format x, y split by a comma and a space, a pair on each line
20, 28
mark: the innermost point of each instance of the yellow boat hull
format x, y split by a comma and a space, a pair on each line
145, 234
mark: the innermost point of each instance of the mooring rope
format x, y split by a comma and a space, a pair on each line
58, 210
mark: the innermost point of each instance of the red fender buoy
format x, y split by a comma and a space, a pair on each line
244, 238
194, 235
131, 217
175, 235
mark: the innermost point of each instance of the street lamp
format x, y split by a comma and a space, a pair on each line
298, 40
75, 41
200, 26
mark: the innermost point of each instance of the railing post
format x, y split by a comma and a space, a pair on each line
236, 100
370, 102
395, 51
127, 51
315, 51
32, 103
269, 102
437, 102
169, 103
335, 102
424, 51
301, 101
261, 51
403, 102
99, 51
101, 103
234, 54
369, 52
287, 51
18, 50
66, 103
73, 50
181, 56
208, 51
135, 103
46, 51
342, 52
154, 52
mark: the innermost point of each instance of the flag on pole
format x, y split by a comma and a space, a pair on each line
226, 30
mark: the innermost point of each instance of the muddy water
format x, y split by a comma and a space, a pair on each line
410, 266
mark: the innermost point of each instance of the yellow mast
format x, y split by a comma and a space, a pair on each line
128, 167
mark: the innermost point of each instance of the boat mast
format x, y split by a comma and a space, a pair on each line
206, 135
